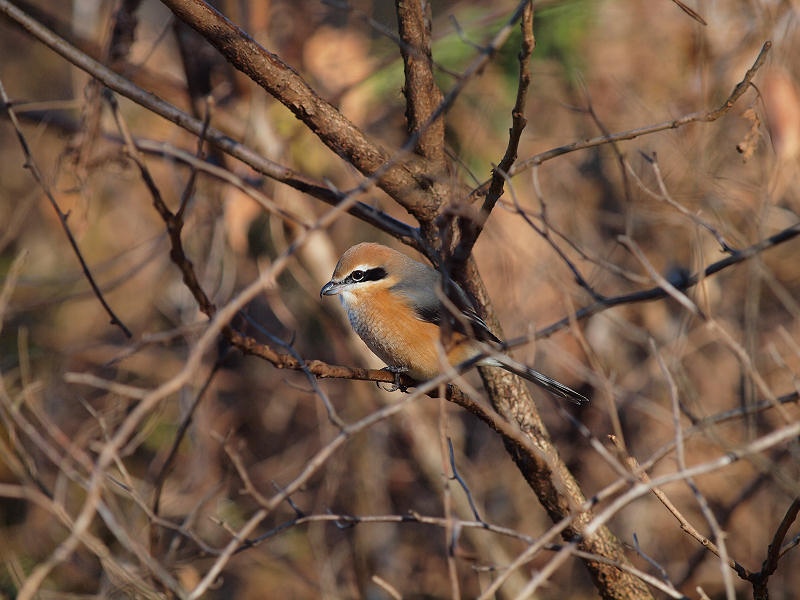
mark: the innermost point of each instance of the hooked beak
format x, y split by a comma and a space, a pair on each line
330, 289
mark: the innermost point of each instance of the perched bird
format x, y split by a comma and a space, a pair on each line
392, 303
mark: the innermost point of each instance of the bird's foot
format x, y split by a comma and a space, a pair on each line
397, 385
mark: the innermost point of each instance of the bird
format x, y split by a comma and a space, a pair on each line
392, 303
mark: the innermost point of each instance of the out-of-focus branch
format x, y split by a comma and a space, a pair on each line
311, 467
197, 163
724, 556
344, 521
361, 210
119, 569
123, 32
668, 504
142, 409
544, 232
702, 116
658, 292
665, 196
405, 233
30, 164
639, 489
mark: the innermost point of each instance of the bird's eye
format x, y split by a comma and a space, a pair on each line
357, 275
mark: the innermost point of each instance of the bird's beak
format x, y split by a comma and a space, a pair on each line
330, 289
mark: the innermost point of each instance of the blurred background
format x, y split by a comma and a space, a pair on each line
599, 66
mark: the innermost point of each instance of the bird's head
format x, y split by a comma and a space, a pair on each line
364, 268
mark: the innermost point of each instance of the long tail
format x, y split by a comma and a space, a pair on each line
548, 383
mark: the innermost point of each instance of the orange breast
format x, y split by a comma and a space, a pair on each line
391, 329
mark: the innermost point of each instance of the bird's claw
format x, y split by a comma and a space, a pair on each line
397, 385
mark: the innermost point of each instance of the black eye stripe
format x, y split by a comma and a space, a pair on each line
359, 276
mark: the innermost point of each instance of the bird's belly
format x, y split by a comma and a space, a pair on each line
400, 340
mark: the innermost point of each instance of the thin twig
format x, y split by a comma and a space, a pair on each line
188, 189
704, 116
658, 292
161, 476
11, 282
544, 232
452, 529
333, 416
471, 228
665, 285
461, 481
640, 552
666, 197
30, 164
691, 12
173, 221
724, 558
403, 232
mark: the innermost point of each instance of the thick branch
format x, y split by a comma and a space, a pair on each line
544, 470
422, 94
273, 170
282, 82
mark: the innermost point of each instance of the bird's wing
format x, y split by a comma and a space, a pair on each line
426, 304
480, 330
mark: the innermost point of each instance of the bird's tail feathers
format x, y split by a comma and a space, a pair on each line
551, 385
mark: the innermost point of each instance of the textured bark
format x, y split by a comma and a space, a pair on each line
404, 180
423, 96
548, 475
420, 188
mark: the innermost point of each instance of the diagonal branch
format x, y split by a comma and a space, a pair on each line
656, 293
403, 232
760, 579
406, 179
771, 562
701, 116
471, 228
324, 120
30, 164
173, 221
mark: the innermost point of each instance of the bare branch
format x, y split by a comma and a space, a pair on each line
659, 292
703, 116
281, 81
666, 197
30, 164
760, 579
691, 12
471, 228
422, 94
271, 169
